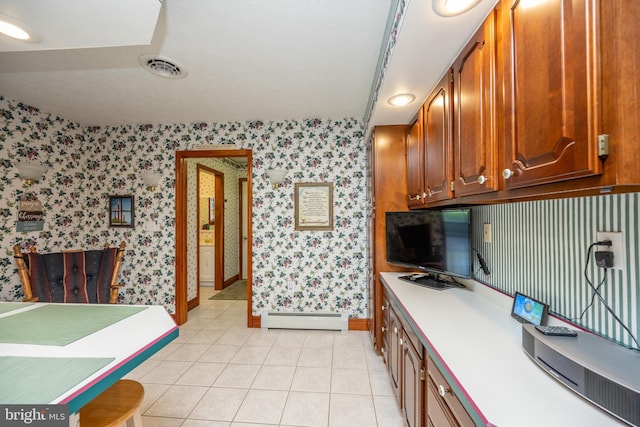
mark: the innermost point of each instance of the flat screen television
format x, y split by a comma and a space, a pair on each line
436, 241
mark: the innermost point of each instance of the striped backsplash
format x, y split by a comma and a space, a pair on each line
539, 248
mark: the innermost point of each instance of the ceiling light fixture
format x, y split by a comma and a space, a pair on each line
162, 66
453, 7
15, 29
401, 99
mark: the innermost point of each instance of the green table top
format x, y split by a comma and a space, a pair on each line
62, 324
6, 307
40, 380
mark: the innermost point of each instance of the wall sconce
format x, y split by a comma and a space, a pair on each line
276, 176
151, 180
30, 172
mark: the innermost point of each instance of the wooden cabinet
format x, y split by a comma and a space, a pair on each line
549, 73
395, 350
386, 333
429, 165
388, 193
413, 376
405, 362
424, 395
537, 92
437, 137
415, 162
443, 406
475, 153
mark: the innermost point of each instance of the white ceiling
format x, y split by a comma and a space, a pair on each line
246, 60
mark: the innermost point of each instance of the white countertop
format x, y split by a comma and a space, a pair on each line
474, 336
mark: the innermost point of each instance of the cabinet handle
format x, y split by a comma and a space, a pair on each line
395, 330
384, 329
507, 173
482, 179
384, 307
412, 198
442, 390
401, 342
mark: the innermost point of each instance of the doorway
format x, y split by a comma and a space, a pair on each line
206, 223
182, 261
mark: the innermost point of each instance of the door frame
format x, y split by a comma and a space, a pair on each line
181, 311
241, 228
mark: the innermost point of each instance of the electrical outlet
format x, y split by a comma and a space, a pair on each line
291, 286
487, 233
617, 247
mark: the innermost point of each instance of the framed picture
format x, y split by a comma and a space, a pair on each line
314, 206
121, 211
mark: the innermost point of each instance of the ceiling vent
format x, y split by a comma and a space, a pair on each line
162, 66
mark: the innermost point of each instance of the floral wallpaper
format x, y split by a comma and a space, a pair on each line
207, 189
87, 164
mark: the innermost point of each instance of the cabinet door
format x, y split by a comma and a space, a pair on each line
437, 131
551, 93
415, 162
412, 385
207, 263
395, 331
474, 136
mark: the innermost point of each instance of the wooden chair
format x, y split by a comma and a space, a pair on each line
118, 404
88, 276
84, 277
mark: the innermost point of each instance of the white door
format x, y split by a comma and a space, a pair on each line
245, 226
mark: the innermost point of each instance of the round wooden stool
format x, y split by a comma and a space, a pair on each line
117, 404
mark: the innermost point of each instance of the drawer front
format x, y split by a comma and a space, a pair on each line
438, 414
442, 389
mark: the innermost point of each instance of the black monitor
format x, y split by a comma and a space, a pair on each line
436, 241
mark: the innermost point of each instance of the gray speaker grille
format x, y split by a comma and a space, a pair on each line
528, 342
618, 400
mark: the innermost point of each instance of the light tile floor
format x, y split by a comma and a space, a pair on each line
219, 373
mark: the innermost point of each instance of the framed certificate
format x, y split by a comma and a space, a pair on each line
314, 206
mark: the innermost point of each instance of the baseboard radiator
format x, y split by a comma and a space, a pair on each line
320, 320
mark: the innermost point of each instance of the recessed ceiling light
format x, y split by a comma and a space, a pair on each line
401, 99
15, 29
453, 7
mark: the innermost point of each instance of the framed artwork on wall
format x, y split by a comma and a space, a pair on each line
314, 206
121, 211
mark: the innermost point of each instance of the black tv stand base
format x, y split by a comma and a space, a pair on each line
429, 281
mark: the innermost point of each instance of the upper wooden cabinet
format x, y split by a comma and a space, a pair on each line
549, 72
536, 91
474, 119
415, 162
429, 163
437, 136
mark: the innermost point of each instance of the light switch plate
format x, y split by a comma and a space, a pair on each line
487, 233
